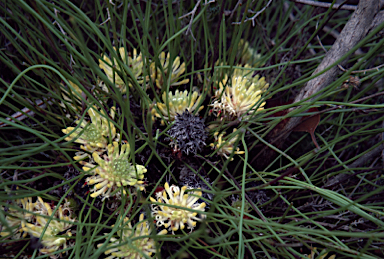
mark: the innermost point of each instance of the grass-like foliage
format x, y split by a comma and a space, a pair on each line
139, 129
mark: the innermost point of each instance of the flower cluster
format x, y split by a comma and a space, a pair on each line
242, 96
248, 55
224, 145
132, 242
16, 219
93, 135
134, 62
176, 104
188, 133
160, 75
167, 70
71, 97
57, 232
183, 209
113, 171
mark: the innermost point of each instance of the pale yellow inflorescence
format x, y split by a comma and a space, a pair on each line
134, 63
113, 170
17, 218
133, 249
72, 96
241, 96
93, 135
58, 231
177, 218
159, 76
248, 55
224, 145
177, 104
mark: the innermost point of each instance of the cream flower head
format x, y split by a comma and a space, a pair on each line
72, 97
113, 171
93, 135
248, 55
159, 77
177, 104
242, 96
58, 231
133, 248
16, 218
134, 62
177, 218
224, 145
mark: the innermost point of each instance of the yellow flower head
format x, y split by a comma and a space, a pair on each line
93, 135
128, 248
72, 97
248, 55
176, 218
114, 171
160, 76
224, 145
16, 218
177, 104
134, 63
58, 231
242, 96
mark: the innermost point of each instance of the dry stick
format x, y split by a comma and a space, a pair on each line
353, 32
327, 5
360, 161
192, 13
340, 66
255, 16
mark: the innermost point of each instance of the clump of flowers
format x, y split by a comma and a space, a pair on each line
188, 133
160, 75
72, 97
125, 248
134, 62
242, 96
225, 145
177, 104
16, 219
177, 218
113, 170
93, 135
248, 55
58, 231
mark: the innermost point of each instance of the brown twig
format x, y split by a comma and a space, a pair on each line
192, 14
255, 16
212, 249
